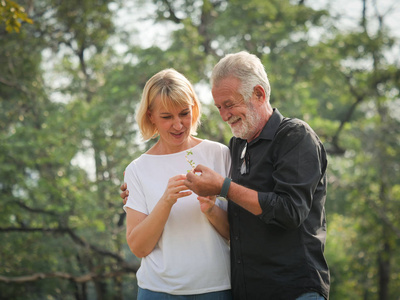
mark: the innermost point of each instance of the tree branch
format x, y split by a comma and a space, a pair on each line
78, 240
14, 85
335, 138
8, 83
336, 149
172, 14
29, 229
35, 210
79, 279
94, 248
383, 216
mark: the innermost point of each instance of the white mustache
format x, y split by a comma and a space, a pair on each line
233, 120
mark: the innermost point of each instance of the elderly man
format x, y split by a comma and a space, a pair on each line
276, 191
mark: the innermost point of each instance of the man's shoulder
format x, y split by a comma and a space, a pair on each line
293, 126
293, 132
235, 141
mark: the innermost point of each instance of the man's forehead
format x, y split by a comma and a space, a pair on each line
222, 102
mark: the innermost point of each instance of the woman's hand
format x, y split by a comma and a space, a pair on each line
207, 204
175, 189
215, 215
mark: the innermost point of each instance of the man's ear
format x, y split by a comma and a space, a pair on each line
259, 93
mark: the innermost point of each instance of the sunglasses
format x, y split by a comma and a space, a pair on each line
245, 159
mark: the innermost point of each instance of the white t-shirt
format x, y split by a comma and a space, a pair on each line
190, 257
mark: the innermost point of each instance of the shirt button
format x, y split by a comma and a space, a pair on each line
235, 214
239, 261
236, 237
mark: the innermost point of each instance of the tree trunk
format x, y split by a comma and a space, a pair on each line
384, 272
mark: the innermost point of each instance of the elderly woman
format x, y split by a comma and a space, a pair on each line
181, 238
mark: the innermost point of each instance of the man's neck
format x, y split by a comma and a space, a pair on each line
263, 121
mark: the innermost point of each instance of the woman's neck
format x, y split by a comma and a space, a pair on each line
163, 148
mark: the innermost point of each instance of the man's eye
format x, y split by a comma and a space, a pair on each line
167, 117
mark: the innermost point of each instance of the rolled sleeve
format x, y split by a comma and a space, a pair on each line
297, 173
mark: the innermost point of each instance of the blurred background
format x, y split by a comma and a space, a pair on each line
72, 73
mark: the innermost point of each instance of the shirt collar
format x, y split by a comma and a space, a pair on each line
269, 130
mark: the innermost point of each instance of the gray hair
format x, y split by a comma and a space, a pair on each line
246, 67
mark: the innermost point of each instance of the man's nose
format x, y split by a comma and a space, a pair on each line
225, 115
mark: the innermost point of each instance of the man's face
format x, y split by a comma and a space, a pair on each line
242, 117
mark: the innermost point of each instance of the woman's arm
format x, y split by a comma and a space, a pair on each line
143, 231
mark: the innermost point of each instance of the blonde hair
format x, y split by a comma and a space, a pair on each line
175, 90
246, 67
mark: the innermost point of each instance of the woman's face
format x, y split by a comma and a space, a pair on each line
173, 124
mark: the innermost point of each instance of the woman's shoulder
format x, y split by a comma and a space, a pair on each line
139, 161
212, 149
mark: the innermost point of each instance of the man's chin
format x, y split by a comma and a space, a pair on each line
238, 134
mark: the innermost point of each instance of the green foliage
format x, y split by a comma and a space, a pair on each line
12, 14
67, 131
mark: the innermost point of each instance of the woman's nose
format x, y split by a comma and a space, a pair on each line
177, 125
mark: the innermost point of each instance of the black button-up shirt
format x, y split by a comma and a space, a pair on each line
279, 254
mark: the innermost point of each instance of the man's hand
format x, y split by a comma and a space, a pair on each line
205, 183
125, 193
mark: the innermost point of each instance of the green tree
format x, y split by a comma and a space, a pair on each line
12, 14
72, 229
368, 137
68, 95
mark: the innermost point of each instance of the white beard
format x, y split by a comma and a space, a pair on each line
249, 125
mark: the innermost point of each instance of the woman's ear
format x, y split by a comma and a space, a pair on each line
150, 116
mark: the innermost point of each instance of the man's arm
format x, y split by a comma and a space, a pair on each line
125, 193
245, 197
210, 183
